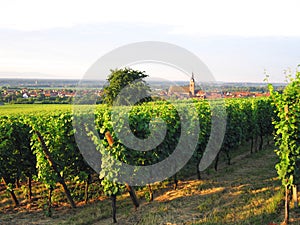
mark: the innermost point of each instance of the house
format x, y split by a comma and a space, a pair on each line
25, 95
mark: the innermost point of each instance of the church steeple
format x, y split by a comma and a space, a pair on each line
192, 85
192, 77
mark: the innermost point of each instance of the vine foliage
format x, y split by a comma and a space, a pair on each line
287, 135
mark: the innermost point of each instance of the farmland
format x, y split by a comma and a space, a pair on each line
240, 187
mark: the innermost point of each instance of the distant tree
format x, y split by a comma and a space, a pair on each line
40, 97
10, 97
129, 78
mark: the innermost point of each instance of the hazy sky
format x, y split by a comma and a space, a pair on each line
236, 39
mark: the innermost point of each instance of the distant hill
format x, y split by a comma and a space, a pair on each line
69, 83
16, 82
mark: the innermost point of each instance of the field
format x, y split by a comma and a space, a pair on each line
29, 108
245, 192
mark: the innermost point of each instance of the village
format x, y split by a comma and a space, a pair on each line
191, 91
65, 93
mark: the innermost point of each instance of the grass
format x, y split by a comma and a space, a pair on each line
246, 192
15, 109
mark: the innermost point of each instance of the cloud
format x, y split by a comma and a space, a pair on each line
237, 39
214, 17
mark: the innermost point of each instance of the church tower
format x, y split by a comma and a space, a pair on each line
192, 86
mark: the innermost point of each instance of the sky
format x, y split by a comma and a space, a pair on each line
237, 40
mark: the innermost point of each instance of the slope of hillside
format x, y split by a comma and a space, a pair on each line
246, 192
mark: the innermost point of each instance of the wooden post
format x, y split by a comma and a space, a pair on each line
114, 208
286, 206
286, 110
131, 191
29, 179
49, 201
261, 143
86, 189
132, 196
109, 138
150, 192
252, 144
295, 196
54, 167
216, 162
197, 168
12, 194
175, 185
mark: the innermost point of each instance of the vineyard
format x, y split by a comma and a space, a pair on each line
43, 168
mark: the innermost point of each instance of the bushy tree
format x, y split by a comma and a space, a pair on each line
127, 78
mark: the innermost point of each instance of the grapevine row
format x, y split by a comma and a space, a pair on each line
42, 146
